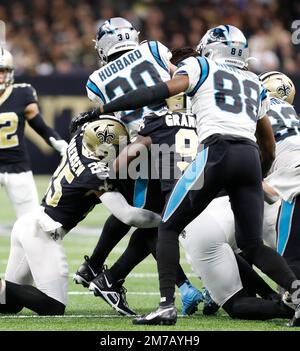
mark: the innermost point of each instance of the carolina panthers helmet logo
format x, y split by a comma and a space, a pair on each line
283, 91
216, 34
106, 136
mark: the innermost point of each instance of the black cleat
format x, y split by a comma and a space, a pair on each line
166, 315
295, 321
209, 306
85, 274
113, 293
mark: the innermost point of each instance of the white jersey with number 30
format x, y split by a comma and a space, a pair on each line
225, 99
146, 65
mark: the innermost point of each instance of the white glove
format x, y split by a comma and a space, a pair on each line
59, 145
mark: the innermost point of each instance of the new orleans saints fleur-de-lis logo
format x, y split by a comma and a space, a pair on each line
106, 136
284, 90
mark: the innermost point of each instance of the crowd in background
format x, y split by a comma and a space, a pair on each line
55, 36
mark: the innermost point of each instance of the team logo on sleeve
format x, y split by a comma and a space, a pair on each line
106, 136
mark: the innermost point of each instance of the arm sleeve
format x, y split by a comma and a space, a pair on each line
138, 98
133, 216
37, 123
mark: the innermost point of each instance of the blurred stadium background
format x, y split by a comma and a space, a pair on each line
51, 41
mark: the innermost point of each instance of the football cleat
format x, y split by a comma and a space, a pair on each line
166, 315
209, 307
190, 298
85, 274
295, 321
113, 293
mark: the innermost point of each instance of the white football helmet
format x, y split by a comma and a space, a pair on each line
279, 85
116, 34
225, 44
6, 63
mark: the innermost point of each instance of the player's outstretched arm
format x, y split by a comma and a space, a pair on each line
266, 142
146, 95
36, 122
116, 203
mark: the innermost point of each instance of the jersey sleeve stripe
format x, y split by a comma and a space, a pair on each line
93, 88
181, 73
153, 47
204, 69
185, 183
263, 94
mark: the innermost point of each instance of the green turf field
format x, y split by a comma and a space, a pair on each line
86, 312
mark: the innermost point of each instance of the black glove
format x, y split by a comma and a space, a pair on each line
83, 117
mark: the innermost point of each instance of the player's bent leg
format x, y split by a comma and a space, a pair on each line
47, 261
113, 231
22, 192
17, 269
252, 308
19, 296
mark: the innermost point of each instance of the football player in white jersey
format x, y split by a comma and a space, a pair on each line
125, 66
285, 172
230, 104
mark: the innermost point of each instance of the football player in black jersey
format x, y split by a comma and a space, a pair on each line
18, 104
80, 182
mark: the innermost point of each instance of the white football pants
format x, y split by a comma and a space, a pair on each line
21, 190
35, 256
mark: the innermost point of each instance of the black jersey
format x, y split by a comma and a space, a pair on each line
13, 153
174, 144
71, 194
284, 119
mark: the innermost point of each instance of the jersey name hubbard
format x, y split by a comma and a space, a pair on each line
146, 65
13, 153
226, 100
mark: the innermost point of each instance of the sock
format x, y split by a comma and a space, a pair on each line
251, 281
30, 297
136, 251
167, 259
273, 265
113, 231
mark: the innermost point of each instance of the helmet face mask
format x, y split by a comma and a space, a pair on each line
7, 67
115, 35
279, 85
225, 44
102, 138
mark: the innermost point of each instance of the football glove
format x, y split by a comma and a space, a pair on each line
83, 117
59, 145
